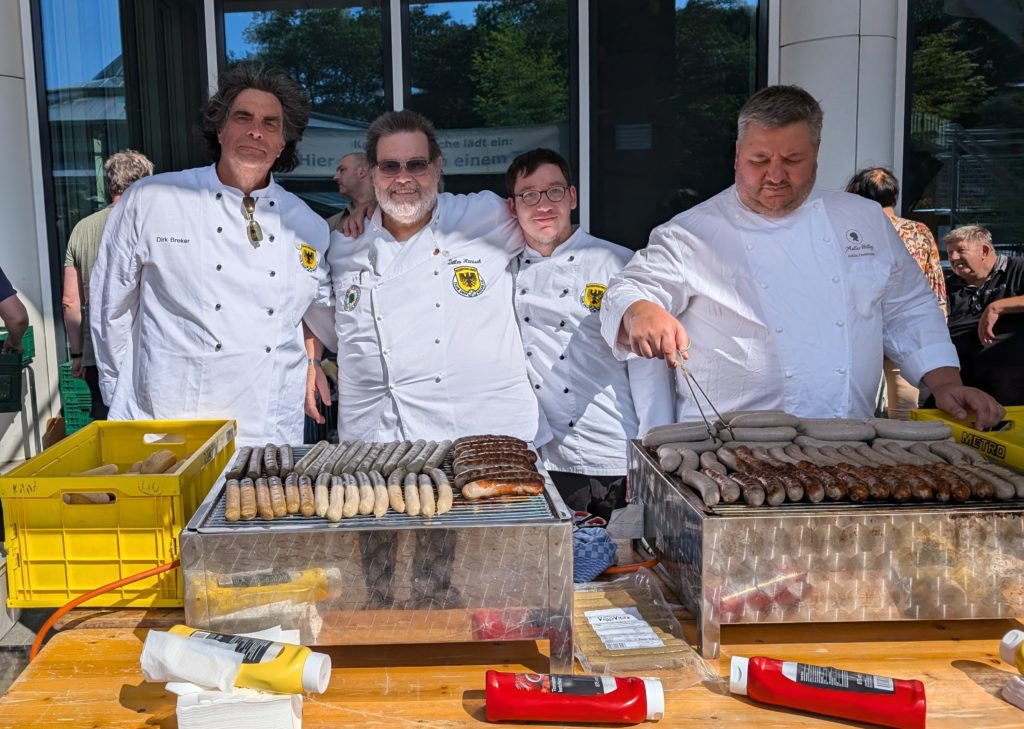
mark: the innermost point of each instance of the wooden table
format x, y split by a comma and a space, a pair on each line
88, 676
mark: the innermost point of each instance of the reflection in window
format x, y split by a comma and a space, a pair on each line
493, 77
85, 99
337, 55
964, 152
669, 83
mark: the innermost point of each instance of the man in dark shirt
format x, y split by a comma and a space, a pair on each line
985, 291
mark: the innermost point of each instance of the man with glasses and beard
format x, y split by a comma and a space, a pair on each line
789, 294
423, 320
203, 275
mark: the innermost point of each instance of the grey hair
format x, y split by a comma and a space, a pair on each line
978, 234
395, 122
123, 168
779, 106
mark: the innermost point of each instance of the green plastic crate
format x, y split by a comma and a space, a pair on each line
28, 343
11, 374
76, 398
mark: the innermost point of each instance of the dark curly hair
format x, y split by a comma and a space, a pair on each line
528, 162
294, 104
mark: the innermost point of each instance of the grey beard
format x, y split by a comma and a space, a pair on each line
409, 212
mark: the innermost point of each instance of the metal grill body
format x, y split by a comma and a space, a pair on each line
822, 563
491, 570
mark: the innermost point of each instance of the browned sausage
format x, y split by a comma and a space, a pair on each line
486, 488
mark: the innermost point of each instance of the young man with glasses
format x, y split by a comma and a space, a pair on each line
203, 275
593, 402
424, 326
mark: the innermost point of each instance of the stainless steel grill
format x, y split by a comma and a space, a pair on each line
488, 570
838, 562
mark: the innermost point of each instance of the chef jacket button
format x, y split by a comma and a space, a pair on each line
387, 352
827, 238
778, 330
437, 379
271, 203
561, 323
522, 291
437, 341
216, 307
379, 317
526, 318
841, 370
817, 204
270, 312
267, 350
561, 356
566, 390
218, 196
835, 279
273, 273
565, 291
571, 423
437, 304
536, 387
750, 246
219, 229
529, 354
391, 387
572, 258
839, 323
764, 285
216, 347
528, 261
788, 374
271, 239
219, 267
436, 273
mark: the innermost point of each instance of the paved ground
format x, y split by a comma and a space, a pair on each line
15, 644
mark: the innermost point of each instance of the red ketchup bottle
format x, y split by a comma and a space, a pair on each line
850, 695
580, 699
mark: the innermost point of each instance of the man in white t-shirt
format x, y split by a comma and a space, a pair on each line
789, 294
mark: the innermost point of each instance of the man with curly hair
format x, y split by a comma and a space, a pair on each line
203, 275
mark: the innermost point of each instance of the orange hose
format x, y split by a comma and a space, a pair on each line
623, 568
89, 595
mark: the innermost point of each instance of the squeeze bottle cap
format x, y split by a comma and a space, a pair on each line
738, 675
1008, 648
655, 699
316, 672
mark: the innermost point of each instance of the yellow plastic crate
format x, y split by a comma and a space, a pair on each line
1005, 446
59, 548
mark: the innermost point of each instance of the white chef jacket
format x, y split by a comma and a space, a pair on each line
793, 312
191, 321
592, 401
427, 340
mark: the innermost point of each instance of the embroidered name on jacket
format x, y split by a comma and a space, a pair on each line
467, 281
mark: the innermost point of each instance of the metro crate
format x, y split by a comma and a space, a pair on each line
28, 343
11, 382
1005, 445
61, 545
75, 419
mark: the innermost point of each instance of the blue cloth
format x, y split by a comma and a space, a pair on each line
6, 289
593, 552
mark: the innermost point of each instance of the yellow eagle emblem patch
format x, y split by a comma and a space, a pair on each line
467, 281
592, 296
308, 257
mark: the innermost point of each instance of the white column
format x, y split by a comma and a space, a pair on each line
24, 254
844, 52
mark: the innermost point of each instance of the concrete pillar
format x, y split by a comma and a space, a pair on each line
24, 252
846, 53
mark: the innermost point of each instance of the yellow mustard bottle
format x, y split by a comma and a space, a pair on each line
1011, 649
267, 665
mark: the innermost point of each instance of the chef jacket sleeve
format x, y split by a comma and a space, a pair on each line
114, 291
323, 269
652, 387
320, 320
915, 335
656, 274
493, 221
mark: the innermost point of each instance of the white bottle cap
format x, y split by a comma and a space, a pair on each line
1008, 648
738, 675
655, 699
316, 672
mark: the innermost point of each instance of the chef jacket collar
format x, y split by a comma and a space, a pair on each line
761, 221
377, 219
263, 193
565, 249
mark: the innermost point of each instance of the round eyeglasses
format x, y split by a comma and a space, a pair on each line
532, 197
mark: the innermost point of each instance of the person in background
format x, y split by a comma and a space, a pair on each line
120, 170
791, 294
13, 314
880, 185
203, 276
986, 312
353, 179
592, 402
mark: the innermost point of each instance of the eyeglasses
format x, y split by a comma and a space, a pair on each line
532, 197
251, 226
391, 167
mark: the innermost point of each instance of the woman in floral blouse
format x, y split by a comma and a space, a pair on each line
879, 184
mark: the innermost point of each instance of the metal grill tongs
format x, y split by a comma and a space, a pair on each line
683, 373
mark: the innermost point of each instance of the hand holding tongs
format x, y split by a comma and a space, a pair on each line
686, 376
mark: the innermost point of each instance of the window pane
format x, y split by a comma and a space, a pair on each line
493, 76
669, 83
965, 134
84, 80
336, 54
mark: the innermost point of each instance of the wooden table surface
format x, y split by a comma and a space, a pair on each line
88, 676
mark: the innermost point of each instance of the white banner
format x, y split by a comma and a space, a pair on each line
466, 151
